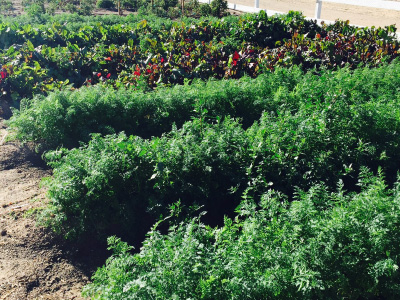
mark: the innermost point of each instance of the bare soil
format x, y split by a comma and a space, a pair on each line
34, 262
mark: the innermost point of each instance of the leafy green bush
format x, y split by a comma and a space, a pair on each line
160, 7
120, 5
323, 245
204, 9
107, 4
219, 8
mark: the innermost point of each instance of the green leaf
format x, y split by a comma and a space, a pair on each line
30, 45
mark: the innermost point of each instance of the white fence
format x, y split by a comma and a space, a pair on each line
391, 5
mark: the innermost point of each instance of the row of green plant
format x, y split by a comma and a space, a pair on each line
259, 30
66, 118
76, 21
69, 117
147, 58
317, 132
70, 27
323, 245
84, 31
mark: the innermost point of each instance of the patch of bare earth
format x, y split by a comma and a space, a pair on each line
34, 262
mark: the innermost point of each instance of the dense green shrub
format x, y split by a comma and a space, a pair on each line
204, 9
121, 4
323, 245
219, 7
105, 4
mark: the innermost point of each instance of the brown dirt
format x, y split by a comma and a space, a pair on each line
34, 262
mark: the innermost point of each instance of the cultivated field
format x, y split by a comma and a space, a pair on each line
243, 157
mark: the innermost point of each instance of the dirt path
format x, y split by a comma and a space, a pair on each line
34, 263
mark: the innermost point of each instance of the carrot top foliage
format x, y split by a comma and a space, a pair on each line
323, 245
320, 130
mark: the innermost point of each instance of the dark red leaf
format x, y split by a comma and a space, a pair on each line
236, 56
